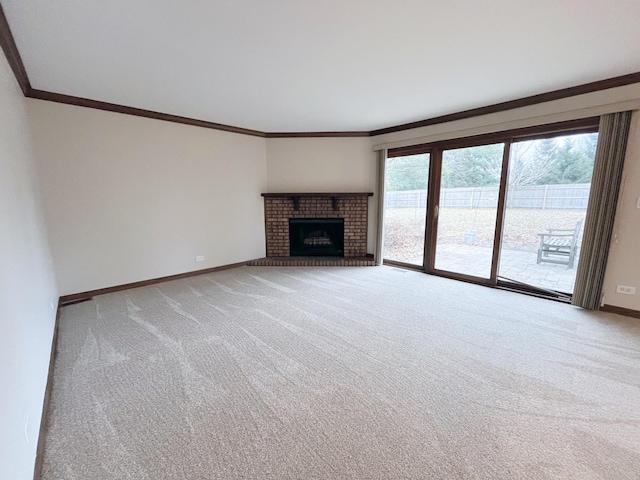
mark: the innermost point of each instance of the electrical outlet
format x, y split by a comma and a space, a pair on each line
625, 289
200, 258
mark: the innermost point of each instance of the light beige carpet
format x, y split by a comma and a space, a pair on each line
341, 373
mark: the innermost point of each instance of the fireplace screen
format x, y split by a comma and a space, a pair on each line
316, 237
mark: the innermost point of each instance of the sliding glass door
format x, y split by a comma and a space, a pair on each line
504, 208
468, 209
406, 187
548, 190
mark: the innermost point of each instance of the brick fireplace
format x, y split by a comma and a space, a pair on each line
281, 208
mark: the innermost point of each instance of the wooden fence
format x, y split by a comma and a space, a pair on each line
541, 197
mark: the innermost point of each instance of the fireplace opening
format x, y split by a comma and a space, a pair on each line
316, 237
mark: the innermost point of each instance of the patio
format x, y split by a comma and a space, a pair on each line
404, 240
514, 265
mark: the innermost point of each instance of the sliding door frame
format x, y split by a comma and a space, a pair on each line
433, 207
502, 199
435, 150
433, 214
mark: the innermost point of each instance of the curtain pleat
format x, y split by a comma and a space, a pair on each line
603, 199
379, 253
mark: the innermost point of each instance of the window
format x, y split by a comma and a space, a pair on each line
503, 208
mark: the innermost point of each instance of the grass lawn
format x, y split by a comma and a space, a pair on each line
404, 228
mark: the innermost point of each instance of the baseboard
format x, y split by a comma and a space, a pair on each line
406, 266
44, 419
77, 297
627, 312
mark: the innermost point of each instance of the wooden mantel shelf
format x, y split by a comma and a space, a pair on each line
338, 194
335, 197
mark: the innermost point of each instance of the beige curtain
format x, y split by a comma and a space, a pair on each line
605, 186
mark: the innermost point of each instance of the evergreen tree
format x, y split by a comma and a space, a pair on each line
571, 164
547, 161
472, 167
407, 173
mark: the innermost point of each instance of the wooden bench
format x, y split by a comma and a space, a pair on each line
559, 246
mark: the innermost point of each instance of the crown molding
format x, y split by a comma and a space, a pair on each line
139, 112
317, 134
10, 49
518, 103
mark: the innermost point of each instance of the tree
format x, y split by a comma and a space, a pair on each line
553, 161
546, 161
573, 164
407, 173
472, 167
531, 161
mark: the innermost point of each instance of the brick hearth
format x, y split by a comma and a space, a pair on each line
352, 207
312, 262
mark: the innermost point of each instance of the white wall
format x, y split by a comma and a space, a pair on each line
27, 289
130, 198
301, 165
623, 267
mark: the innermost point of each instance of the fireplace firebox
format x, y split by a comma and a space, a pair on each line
316, 237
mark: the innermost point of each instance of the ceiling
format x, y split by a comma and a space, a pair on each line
335, 65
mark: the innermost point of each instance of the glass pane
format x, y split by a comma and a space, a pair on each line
547, 193
406, 180
469, 188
